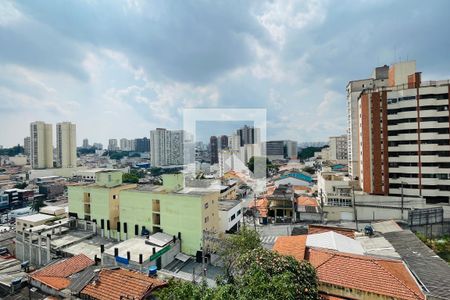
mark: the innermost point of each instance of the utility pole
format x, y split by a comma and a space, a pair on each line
354, 207
402, 199
254, 211
321, 206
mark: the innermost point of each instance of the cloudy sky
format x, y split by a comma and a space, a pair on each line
121, 68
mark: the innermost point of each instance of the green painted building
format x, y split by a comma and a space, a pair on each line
171, 208
100, 200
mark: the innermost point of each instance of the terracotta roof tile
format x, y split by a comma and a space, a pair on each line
323, 228
307, 201
291, 245
56, 275
113, 284
380, 276
262, 205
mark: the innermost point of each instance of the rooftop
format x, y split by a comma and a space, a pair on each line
432, 271
35, 218
385, 277
334, 241
226, 205
135, 246
120, 284
57, 275
291, 245
313, 228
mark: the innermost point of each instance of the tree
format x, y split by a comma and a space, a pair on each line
37, 204
309, 170
246, 240
255, 273
255, 160
129, 178
269, 275
308, 152
12, 151
156, 171
21, 185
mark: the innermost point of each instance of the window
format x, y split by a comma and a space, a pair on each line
206, 205
114, 196
206, 219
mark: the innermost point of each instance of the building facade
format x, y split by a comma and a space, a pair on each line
85, 143
167, 147
338, 147
214, 149
66, 145
112, 145
143, 145
41, 141
404, 137
128, 211
379, 78
27, 146
249, 135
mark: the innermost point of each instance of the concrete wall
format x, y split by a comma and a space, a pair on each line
184, 213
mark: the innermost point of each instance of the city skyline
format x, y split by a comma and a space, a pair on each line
293, 59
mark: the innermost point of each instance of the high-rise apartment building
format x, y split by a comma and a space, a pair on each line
112, 145
167, 147
85, 143
234, 142
223, 142
338, 147
404, 137
285, 149
27, 146
66, 145
127, 145
214, 149
249, 135
142, 145
379, 78
41, 145
98, 146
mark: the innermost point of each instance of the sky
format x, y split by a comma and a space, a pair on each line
122, 68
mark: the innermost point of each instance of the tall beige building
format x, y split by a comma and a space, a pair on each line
41, 145
66, 145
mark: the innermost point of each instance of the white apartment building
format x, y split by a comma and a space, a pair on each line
338, 149
41, 145
229, 161
379, 78
66, 145
167, 147
334, 189
234, 142
112, 145
127, 145
404, 136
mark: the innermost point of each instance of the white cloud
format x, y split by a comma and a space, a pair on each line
8, 13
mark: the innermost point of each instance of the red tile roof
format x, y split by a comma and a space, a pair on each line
324, 228
114, 284
366, 273
307, 201
262, 205
291, 245
56, 275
